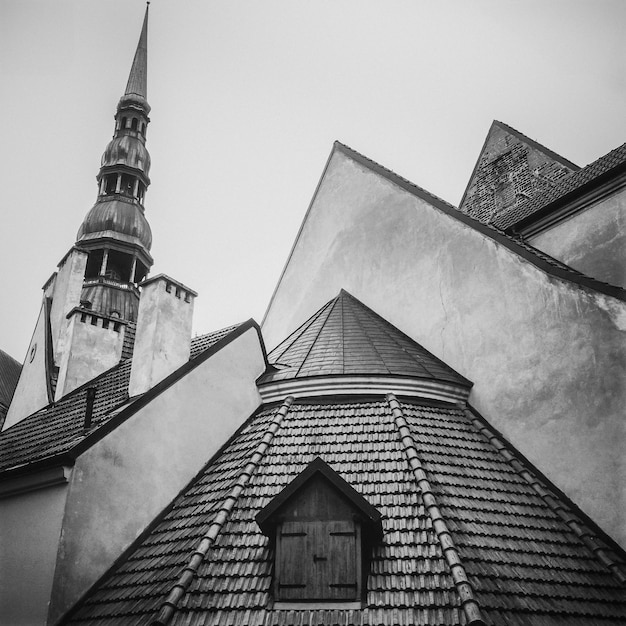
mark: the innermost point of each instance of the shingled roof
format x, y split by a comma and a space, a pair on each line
58, 428
527, 555
472, 533
563, 190
347, 337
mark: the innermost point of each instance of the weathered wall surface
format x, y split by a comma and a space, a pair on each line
163, 334
30, 526
68, 284
125, 480
592, 241
509, 170
546, 355
91, 349
31, 392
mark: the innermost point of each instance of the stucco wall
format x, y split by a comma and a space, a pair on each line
68, 285
163, 334
546, 355
30, 526
31, 392
93, 349
592, 241
120, 484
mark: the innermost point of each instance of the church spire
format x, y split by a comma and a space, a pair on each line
138, 77
115, 232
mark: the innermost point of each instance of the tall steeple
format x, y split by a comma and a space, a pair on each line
91, 302
138, 79
115, 232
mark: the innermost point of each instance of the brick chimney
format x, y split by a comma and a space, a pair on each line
163, 337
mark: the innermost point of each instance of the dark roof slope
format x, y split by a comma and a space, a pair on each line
58, 428
207, 562
563, 190
9, 375
346, 337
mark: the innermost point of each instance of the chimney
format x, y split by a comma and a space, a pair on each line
93, 344
163, 337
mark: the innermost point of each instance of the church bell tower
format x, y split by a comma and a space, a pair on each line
115, 233
90, 304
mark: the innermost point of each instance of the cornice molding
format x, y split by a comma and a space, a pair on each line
360, 385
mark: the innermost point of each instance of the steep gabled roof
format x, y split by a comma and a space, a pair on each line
346, 337
540, 259
510, 167
58, 428
470, 530
564, 190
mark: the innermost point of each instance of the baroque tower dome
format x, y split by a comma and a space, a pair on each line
115, 232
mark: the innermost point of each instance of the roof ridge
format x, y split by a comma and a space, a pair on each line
386, 169
561, 187
464, 588
548, 151
544, 262
391, 327
577, 526
366, 334
390, 337
319, 332
180, 586
297, 333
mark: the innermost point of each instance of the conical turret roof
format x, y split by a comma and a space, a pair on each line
347, 337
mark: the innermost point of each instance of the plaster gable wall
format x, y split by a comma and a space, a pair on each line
30, 527
124, 481
91, 350
68, 285
592, 241
546, 356
31, 393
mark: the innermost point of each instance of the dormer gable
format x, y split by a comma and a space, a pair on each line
323, 532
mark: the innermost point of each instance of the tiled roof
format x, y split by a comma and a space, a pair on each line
561, 188
57, 428
346, 337
9, 374
516, 551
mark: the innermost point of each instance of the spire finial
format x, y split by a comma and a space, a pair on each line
138, 78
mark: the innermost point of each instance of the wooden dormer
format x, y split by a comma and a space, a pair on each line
323, 532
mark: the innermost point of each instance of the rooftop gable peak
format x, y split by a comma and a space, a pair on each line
266, 517
510, 169
345, 337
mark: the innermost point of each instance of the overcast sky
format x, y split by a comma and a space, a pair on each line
247, 99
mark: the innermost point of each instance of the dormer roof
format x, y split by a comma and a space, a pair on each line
266, 518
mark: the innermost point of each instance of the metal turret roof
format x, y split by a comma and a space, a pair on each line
347, 337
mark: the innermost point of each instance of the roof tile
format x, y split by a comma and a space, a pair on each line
524, 563
57, 428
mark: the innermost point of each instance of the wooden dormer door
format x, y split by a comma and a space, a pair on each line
318, 560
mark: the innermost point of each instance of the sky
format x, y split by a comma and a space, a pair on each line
247, 98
